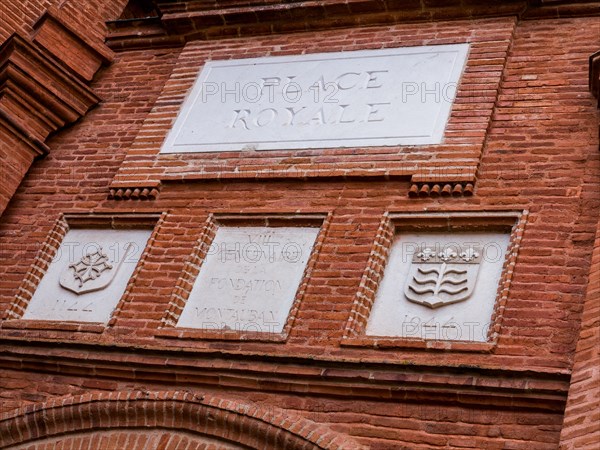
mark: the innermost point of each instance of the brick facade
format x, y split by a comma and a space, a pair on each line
522, 141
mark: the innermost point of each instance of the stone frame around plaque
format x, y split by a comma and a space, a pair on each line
14, 316
185, 283
392, 224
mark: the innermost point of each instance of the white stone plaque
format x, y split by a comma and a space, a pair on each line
88, 275
389, 97
249, 279
439, 286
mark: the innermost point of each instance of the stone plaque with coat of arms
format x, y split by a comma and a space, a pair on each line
88, 275
439, 286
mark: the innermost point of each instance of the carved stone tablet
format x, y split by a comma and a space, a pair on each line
439, 286
400, 96
249, 279
88, 276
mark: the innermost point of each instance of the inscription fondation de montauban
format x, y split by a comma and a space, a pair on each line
249, 279
399, 96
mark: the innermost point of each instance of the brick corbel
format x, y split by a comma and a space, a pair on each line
44, 87
443, 182
433, 190
37, 92
79, 53
135, 193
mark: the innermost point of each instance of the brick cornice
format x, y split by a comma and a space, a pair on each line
513, 388
179, 21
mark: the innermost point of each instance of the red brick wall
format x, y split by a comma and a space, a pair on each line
581, 428
540, 153
540, 148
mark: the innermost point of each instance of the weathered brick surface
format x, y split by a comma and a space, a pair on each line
539, 152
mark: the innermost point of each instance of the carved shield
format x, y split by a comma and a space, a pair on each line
441, 278
92, 272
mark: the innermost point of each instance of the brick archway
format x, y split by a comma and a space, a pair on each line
162, 421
